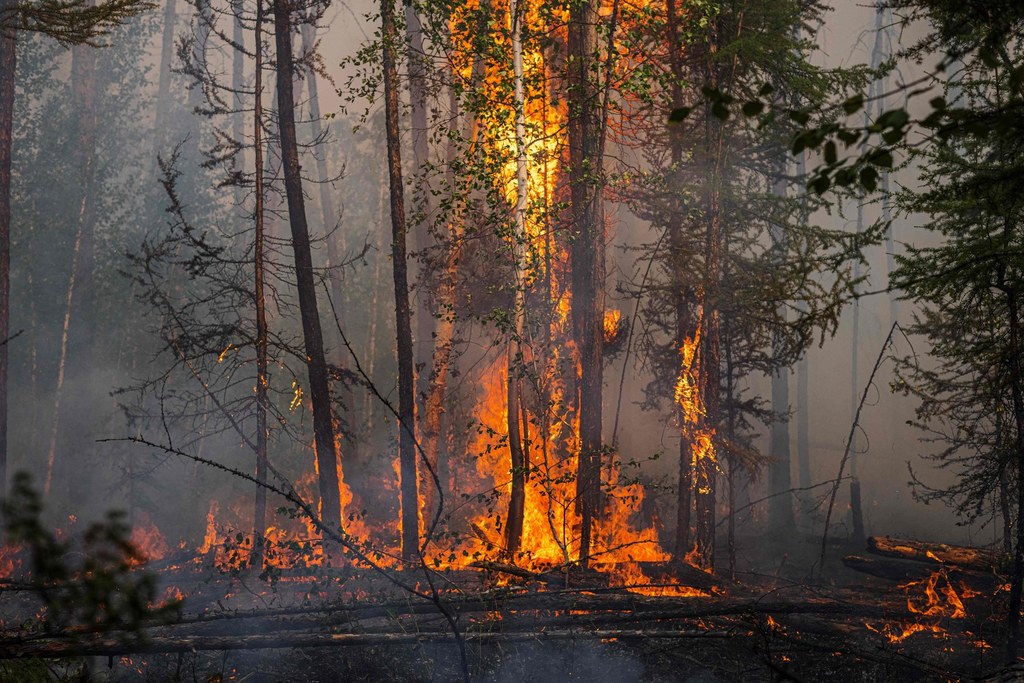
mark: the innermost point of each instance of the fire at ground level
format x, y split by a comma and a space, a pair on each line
896, 610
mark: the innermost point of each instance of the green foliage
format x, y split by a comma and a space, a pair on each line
71, 22
99, 585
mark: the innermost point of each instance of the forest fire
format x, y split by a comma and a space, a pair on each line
517, 340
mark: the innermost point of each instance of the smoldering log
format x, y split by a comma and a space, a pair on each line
980, 559
901, 571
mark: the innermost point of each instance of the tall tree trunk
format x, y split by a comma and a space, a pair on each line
586, 155
780, 505
406, 373
72, 418
262, 381
683, 317
419, 232
706, 471
518, 455
328, 458
164, 83
329, 223
237, 76
1017, 395
7, 68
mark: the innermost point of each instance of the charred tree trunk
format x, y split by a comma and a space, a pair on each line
586, 155
237, 76
329, 222
403, 325
710, 354
262, 381
8, 55
683, 317
328, 462
1016, 377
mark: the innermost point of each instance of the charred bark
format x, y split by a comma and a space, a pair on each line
403, 314
328, 462
262, 381
8, 57
587, 254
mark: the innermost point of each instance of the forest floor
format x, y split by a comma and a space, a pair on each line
773, 620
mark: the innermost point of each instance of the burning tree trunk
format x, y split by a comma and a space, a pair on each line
262, 401
323, 424
518, 454
7, 63
406, 374
586, 154
683, 319
706, 466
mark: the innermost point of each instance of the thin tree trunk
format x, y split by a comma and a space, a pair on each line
683, 318
586, 154
73, 418
517, 454
164, 82
780, 505
416, 59
335, 250
237, 76
8, 54
262, 381
328, 458
403, 323
710, 354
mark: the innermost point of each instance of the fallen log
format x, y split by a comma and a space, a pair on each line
902, 571
61, 648
980, 559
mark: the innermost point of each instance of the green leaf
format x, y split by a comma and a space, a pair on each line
869, 179
679, 115
766, 90
881, 158
799, 116
720, 111
820, 184
830, 152
894, 118
753, 108
854, 104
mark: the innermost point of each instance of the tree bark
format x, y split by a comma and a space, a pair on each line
403, 323
262, 380
706, 470
66, 458
416, 59
681, 303
980, 559
587, 254
518, 455
327, 456
335, 244
8, 58
780, 505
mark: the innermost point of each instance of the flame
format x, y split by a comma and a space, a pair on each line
611, 324
148, 540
